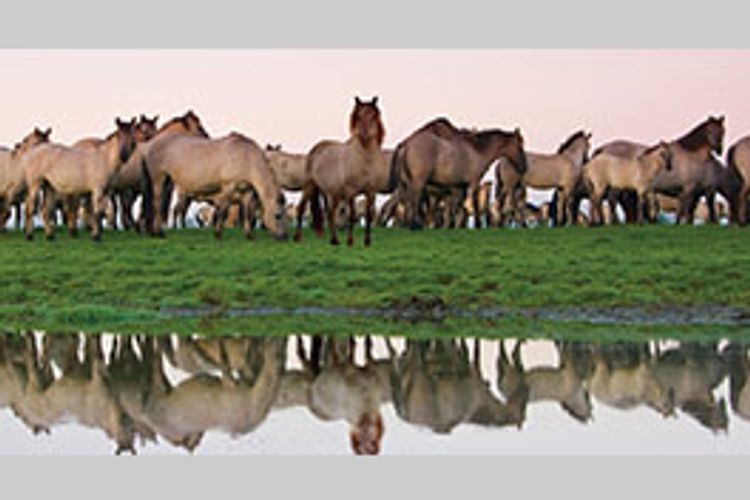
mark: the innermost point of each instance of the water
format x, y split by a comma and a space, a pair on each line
84, 394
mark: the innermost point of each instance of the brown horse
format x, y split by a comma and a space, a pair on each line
738, 160
70, 173
689, 179
12, 179
441, 155
340, 171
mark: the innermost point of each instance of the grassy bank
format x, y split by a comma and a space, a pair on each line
126, 280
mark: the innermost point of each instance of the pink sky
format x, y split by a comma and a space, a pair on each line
297, 97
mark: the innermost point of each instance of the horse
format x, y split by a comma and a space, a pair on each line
689, 177
12, 179
691, 373
560, 171
289, 168
629, 384
81, 393
439, 154
606, 171
69, 173
738, 365
131, 181
340, 171
237, 406
436, 386
219, 170
563, 384
738, 160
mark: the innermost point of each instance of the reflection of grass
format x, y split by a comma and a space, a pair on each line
126, 279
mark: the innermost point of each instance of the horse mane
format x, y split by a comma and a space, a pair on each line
570, 140
697, 137
651, 149
172, 121
441, 127
482, 138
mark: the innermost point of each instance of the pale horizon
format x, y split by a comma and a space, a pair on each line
297, 97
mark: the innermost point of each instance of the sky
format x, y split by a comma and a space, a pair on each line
297, 97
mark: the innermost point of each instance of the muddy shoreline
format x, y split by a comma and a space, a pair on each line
432, 311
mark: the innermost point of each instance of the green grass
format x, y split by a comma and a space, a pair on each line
123, 282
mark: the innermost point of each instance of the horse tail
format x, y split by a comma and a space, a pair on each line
395, 168
313, 192
166, 197
148, 199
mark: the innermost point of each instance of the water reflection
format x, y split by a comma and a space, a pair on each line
138, 390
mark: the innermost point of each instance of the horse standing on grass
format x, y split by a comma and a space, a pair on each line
340, 171
443, 156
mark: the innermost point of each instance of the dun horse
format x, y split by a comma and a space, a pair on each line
219, 169
606, 171
340, 171
689, 179
560, 171
70, 173
738, 160
12, 179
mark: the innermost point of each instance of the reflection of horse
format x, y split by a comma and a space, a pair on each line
623, 377
183, 413
738, 363
435, 385
691, 373
333, 387
82, 394
563, 384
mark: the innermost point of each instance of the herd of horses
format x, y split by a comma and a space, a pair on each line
177, 388
433, 177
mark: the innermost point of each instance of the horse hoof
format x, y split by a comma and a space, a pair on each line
335, 243
217, 236
367, 242
297, 237
350, 242
29, 236
50, 237
96, 238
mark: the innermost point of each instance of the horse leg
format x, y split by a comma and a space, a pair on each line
331, 209
612, 201
127, 198
561, 206
742, 204
248, 221
222, 209
98, 202
157, 189
639, 207
352, 221
31, 197
70, 206
369, 212
112, 212
4, 213
48, 214
597, 216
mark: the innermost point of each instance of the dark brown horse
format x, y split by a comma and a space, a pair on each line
444, 156
689, 179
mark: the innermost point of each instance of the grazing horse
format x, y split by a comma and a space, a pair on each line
441, 155
689, 179
219, 170
606, 171
341, 171
183, 413
738, 160
69, 173
560, 171
12, 179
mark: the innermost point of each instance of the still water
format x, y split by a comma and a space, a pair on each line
104, 394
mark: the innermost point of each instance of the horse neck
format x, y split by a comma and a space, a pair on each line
576, 153
110, 149
650, 166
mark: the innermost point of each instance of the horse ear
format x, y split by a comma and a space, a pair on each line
118, 122
47, 132
357, 100
721, 118
517, 131
155, 119
375, 100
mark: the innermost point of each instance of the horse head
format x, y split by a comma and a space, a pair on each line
33, 138
146, 128
125, 135
273, 147
365, 122
193, 124
366, 434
